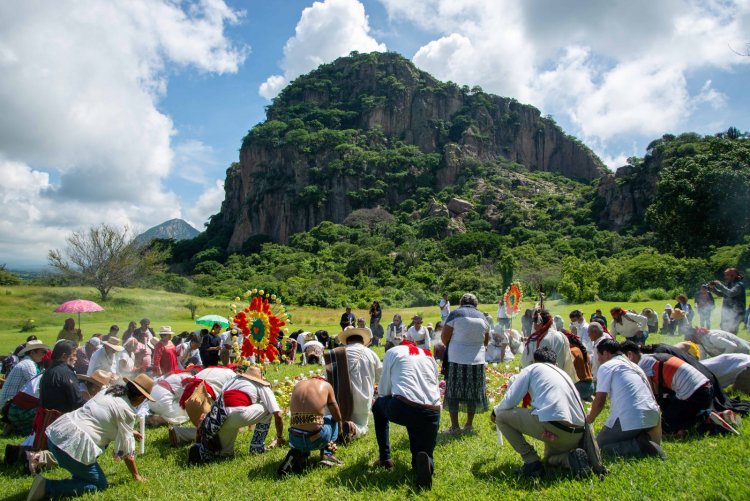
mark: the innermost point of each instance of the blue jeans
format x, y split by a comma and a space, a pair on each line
421, 425
86, 478
328, 433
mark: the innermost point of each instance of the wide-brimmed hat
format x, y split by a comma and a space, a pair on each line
667, 306
308, 336
677, 314
166, 330
114, 343
100, 377
256, 375
34, 344
355, 331
142, 383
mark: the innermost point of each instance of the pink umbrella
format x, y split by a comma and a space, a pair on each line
78, 306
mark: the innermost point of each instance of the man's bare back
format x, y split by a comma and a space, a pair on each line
311, 400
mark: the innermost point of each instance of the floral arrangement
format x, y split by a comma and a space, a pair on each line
512, 299
260, 323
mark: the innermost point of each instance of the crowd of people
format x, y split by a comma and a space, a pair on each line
71, 399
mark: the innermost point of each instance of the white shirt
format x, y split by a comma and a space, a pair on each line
365, 370
557, 342
420, 337
414, 377
301, 341
109, 363
466, 345
501, 315
630, 397
216, 377
84, 433
594, 357
632, 324
582, 331
727, 367
258, 393
716, 342
445, 308
553, 394
685, 381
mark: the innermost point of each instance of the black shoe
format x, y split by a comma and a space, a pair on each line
579, 463
423, 469
11, 453
194, 455
287, 465
530, 470
649, 447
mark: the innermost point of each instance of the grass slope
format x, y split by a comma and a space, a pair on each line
472, 467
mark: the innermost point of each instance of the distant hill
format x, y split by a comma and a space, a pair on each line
175, 229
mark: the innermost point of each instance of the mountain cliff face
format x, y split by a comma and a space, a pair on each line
174, 229
371, 130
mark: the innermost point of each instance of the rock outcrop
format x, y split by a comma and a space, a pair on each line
287, 183
625, 196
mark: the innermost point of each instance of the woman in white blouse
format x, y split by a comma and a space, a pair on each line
78, 438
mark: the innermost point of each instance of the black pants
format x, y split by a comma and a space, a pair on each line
684, 414
421, 425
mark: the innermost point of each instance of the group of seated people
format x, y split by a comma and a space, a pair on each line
653, 390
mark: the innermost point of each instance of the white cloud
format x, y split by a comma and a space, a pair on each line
206, 206
325, 31
80, 83
612, 69
192, 159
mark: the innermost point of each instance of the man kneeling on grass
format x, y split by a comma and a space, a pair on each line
315, 424
556, 417
409, 396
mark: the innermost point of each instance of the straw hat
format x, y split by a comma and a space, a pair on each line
256, 375
166, 330
100, 377
114, 343
677, 314
355, 331
33, 345
142, 383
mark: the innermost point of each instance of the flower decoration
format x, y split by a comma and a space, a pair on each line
512, 299
260, 324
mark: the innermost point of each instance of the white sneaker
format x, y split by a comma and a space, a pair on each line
721, 422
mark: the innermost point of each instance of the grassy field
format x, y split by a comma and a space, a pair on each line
470, 467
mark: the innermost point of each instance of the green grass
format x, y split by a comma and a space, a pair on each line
473, 467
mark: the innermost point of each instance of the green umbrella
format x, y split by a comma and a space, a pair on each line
210, 320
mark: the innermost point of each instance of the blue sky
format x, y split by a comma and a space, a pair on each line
129, 112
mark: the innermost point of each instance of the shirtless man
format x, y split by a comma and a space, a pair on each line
312, 426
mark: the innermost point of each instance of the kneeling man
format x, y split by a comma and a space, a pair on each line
409, 396
556, 417
245, 400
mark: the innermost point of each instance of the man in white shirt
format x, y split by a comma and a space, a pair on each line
633, 427
226, 353
597, 335
353, 370
544, 335
408, 395
715, 342
630, 325
107, 357
556, 417
731, 368
578, 322
445, 308
418, 334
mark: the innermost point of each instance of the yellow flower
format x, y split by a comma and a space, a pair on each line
255, 290
260, 292
237, 299
273, 296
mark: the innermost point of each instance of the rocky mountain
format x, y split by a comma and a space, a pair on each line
372, 131
174, 229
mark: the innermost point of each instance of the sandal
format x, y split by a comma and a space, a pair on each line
452, 431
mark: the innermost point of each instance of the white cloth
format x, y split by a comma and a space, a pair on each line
501, 315
216, 377
365, 369
414, 377
631, 399
301, 341
393, 330
582, 331
84, 433
498, 345
100, 360
632, 325
184, 354
420, 337
727, 367
716, 342
466, 345
167, 403
557, 342
32, 387
685, 381
553, 394
259, 394
594, 357
445, 308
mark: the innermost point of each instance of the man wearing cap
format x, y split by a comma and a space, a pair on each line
347, 318
165, 355
78, 438
246, 400
418, 333
107, 357
19, 415
733, 306
313, 350
630, 325
315, 422
408, 395
353, 370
